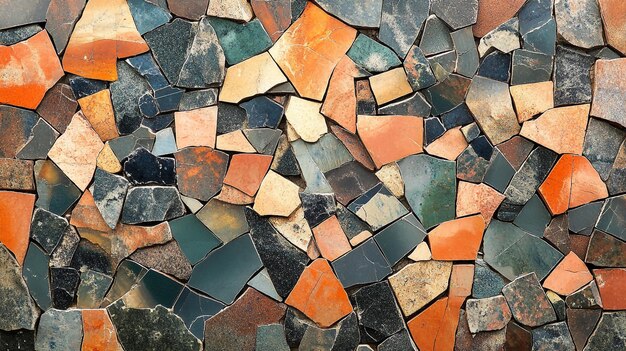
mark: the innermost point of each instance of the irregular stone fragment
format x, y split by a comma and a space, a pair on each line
443, 64
444, 239
581, 323
477, 198
448, 94
151, 204
530, 67
378, 207
340, 103
532, 99
568, 276
449, 146
277, 196
58, 106
317, 207
264, 140
614, 25
360, 14
350, 181
305, 118
448, 11
504, 38
377, 311
609, 333
238, 10
30, 68
59, 330
330, 239
105, 32
612, 217
145, 293
251, 77
354, 146
605, 250
167, 258
148, 15
487, 283
98, 331
18, 308
587, 297
435, 37
401, 22
418, 283
371, 55
226, 221
47, 229
274, 15
552, 337
93, 286
418, 69
188, 123
191, 9
572, 76
17, 125
294, 228
602, 146
400, 238
60, 19
200, 171
263, 283
376, 133
487, 314
42, 137
390, 85
529, 304
142, 167
579, 23
16, 210
364, 264
611, 285
240, 41
310, 49
195, 240
529, 176
466, 52
16, 174
271, 337
492, 13
608, 90
233, 141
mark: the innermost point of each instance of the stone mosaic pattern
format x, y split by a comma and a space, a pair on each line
277, 175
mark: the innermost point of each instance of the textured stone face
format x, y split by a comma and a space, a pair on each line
419, 283
608, 90
579, 22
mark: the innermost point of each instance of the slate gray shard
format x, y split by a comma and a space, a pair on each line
356, 13
23, 13
447, 95
204, 63
63, 285
579, 22
587, 297
124, 145
195, 99
377, 311
92, 289
317, 207
443, 64
371, 55
378, 207
225, 271
164, 143
504, 38
14, 35
317, 338
488, 314
399, 238
430, 188
240, 41
152, 204
36, 274
581, 323
47, 229
496, 66
194, 309
417, 69
328, 152
350, 181
125, 94
534, 217
582, 219
602, 144
499, 173
470, 166
295, 324
193, 237
513, 252
530, 176
435, 37
167, 258
610, 333
487, 283
264, 140
109, 191
81, 87
533, 14
398, 342
350, 223
572, 76
542, 39
401, 22
61, 17
263, 284
467, 55
605, 250
230, 118
528, 302
151, 329
553, 337
142, 168
460, 116
62, 255
263, 112
530, 67
60, 330
312, 175
18, 309
362, 265
42, 137
169, 44
284, 262
285, 162
271, 337
414, 105
348, 334
613, 217
148, 15
456, 13
154, 288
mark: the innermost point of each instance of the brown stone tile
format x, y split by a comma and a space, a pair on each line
611, 284
568, 276
107, 160
29, 69
16, 174
560, 129
492, 13
390, 85
167, 258
391, 138
98, 110
274, 15
58, 106
196, 127
605, 250
105, 32
305, 118
516, 150
319, 295
16, 210
458, 239
277, 196
354, 146
200, 172
477, 198
99, 334
449, 146
579, 244
234, 141
419, 283
340, 102
614, 23
532, 99
609, 91
76, 151
365, 102
310, 49
190, 9
251, 77
488, 314
246, 172
330, 239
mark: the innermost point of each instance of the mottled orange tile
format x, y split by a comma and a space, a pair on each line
568, 276
458, 239
311, 48
340, 102
560, 129
611, 284
391, 138
99, 334
319, 295
246, 172
449, 146
477, 198
16, 210
330, 239
98, 110
196, 127
27, 70
587, 186
105, 32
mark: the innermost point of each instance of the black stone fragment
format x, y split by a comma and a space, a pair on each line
459, 116
433, 129
398, 342
530, 176
534, 217
14, 35
400, 238
362, 265
169, 44
159, 122
572, 76
142, 167
296, 324
194, 309
285, 162
482, 147
350, 223
84, 87
91, 256
194, 99
17, 340
63, 283
583, 219
152, 204
47, 229
530, 67
126, 93
377, 310
317, 207
414, 105
230, 118
348, 336
496, 66
263, 112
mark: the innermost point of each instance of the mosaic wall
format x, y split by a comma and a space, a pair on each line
280, 175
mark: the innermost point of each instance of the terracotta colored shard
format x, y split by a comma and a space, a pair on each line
458, 239
310, 49
200, 172
58, 106
107, 160
305, 118
105, 32
274, 15
330, 239
246, 172
477, 198
98, 110
449, 146
76, 151
532, 99
390, 85
614, 23
572, 182
16, 174
234, 141
319, 295
611, 284
27, 70
234, 196
568, 276
277, 196
424, 326
99, 334
16, 210
251, 77
196, 127
354, 146
548, 129
391, 138
340, 102
492, 13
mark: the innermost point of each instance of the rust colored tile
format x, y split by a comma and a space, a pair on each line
458, 239
340, 102
196, 127
560, 129
16, 210
99, 334
27, 70
330, 239
319, 295
587, 186
354, 146
105, 32
492, 13
425, 326
191, 9
568, 276
310, 49
58, 106
200, 171
579, 244
449, 146
556, 189
246, 172
477, 198
391, 138
614, 23
611, 284
98, 110
16, 174
532, 99
390, 85
274, 15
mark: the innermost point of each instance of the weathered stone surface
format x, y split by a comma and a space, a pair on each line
227, 221
568, 276
253, 76
42, 137
581, 323
602, 146
400, 238
240, 41
552, 337
477, 198
418, 283
401, 22
612, 217
504, 38
579, 22
277, 196
24, 13
18, 125
390, 85
530, 67
532, 99
614, 25
364, 264
572, 76
418, 69
237, 10
609, 333
378, 207
151, 204
59, 330
18, 308
16, 210
58, 106
98, 331
16, 174
448, 11
530, 176
605, 250
487, 314
330, 239
529, 304
360, 14
142, 167
371, 55
167, 258
191, 9
611, 285
608, 89
274, 15
492, 13
377, 311
305, 118
60, 19
109, 191
200, 171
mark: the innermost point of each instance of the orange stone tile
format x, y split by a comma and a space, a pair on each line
425, 326
76, 151
492, 13
105, 32
274, 15
556, 189
390, 85
16, 210
458, 239
330, 239
196, 127
99, 334
461, 280
587, 186
391, 138
234, 196
449, 146
27, 70
354, 146
319, 295
477, 198
532, 99
568, 276
614, 23
611, 284
310, 49
98, 110
560, 129
340, 102
246, 172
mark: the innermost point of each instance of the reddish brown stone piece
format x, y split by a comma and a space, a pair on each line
105, 32
612, 285
549, 129
16, 210
246, 172
391, 138
492, 13
458, 239
319, 295
99, 334
331, 239
27, 70
568, 276
200, 172
340, 102
274, 15
58, 106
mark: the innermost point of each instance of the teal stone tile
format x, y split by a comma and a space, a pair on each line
372, 55
534, 217
435, 37
240, 41
154, 288
193, 237
225, 271
37, 276
165, 143
447, 95
314, 178
55, 191
487, 283
430, 188
583, 219
127, 275
499, 173
400, 238
194, 309
329, 153
363, 265
147, 15
613, 217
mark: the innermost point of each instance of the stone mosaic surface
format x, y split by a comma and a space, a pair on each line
328, 175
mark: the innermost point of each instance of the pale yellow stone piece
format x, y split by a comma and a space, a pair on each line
420, 253
359, 238
389, 174
305, 118
108, 161
294, 228
532, 99
234, 141
277, 196
390, 85
251, 77
419, 283
239, 10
